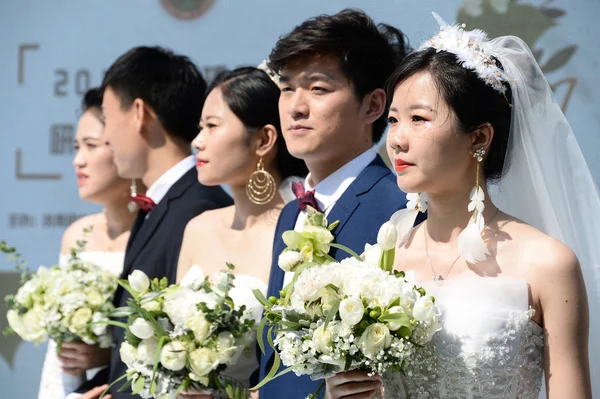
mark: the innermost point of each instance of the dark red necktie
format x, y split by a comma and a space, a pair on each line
143, 202
304, 197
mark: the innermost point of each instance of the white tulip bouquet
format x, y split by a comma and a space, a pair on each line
66, 303
357, 314
182, 336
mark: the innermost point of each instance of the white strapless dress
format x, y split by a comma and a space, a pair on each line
247, 363
488, 348
54, 384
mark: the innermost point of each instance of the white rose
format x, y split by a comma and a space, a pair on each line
351, 311
387, 236
200, 326
94, 298
138, 281
173, 356
141, 329
375, 338
79, 319
203, 361
424, 309
289, 260
194, 278
128, 354
146, 351
226, 347
322, 340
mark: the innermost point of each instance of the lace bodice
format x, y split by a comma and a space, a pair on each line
54, 384
488, 347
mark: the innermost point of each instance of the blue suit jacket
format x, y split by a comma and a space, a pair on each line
367, 203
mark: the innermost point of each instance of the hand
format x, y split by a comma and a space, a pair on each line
352, 385
77, 357
195, 394
95, 393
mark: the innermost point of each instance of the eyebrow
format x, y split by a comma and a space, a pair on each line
421, 106
311, 77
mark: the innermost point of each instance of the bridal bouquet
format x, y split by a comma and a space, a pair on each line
183, 336
355, 314
65, 303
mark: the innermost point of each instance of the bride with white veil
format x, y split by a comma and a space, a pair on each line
513, 295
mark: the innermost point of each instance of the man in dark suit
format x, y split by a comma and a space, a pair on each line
333, 111
152, 104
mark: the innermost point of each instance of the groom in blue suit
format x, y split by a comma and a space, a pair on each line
333, 111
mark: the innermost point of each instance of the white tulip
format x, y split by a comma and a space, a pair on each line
141, 329
289, 260
138, 281
387, 236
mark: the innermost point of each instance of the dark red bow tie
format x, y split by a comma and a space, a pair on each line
304, 197
143, 202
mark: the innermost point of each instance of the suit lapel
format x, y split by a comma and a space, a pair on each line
145, 227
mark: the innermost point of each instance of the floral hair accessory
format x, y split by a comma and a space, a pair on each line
473, 51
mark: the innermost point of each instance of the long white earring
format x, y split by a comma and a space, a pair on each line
470, 244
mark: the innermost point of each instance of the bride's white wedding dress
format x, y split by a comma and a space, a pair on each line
488, 348
54, 383
242, 293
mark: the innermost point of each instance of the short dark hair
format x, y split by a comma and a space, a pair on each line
253, 97
92, 100
368, 52
169, 83
472, 100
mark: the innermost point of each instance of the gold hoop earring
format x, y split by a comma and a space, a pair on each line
261, 185
132, 206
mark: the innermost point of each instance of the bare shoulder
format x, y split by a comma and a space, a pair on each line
76, 231
545, 258
207, 221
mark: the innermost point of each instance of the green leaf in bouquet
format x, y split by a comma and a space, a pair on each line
229, 391
230, 266
333, 225
114, 383
348, 363
291, 325
124, 311
127, 287
158, 330
161, 342
276, 363
153, 387
396, 318
260, 297
259, 334
138, 385
332, 312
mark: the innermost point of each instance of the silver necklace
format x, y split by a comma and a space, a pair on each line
441, 277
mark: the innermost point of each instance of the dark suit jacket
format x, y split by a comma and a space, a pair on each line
154, 246
367, 203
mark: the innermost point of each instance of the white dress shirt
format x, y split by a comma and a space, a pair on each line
329, 191
157, 191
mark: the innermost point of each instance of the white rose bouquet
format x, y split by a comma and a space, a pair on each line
65, 303
355, 314
182, 336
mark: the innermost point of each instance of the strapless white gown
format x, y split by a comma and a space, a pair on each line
242, 293
54, 384
488, 348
